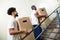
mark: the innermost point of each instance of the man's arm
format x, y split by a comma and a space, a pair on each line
12, 31
39, 16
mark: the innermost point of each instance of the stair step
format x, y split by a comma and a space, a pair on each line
51, 32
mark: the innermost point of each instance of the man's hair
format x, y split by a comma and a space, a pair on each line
33, 6
10, 10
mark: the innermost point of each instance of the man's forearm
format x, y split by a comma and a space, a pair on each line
15, 32
39, 16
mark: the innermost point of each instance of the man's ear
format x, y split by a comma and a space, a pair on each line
12, 13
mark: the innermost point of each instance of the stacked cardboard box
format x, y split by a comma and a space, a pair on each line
24, 23
42, 11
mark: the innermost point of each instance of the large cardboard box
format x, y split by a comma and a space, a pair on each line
24, 23
42, 11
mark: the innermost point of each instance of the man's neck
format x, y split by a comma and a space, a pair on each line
13, 16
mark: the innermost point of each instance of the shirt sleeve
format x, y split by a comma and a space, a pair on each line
11, 24
33, 18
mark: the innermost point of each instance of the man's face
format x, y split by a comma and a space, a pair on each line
15, 13
34, 8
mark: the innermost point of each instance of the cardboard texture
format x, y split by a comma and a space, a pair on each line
24, 23
42, 11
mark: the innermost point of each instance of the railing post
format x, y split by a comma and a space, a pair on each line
58, 18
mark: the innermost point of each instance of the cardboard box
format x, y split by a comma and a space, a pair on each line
42, 11
24, 23
30, 37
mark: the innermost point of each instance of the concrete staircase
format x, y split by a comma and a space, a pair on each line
52, 32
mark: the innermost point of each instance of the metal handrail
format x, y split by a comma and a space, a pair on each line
41, 23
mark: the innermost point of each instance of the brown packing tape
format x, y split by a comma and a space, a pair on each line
24, 23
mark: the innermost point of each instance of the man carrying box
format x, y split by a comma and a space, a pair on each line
36, 18
39, 16
13, 26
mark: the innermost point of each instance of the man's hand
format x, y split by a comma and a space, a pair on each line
12, 31
40, 16
24, 31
